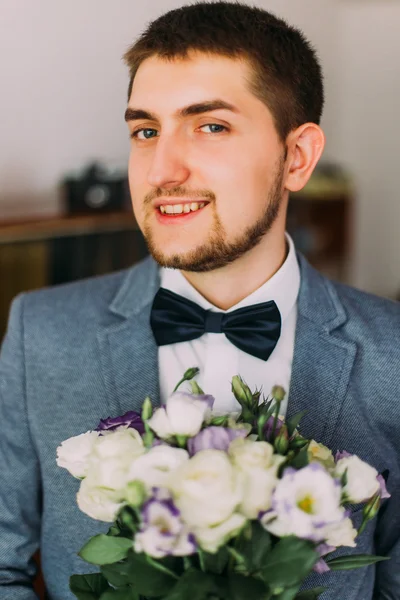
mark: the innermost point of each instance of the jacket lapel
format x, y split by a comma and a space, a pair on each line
322, 362
323, 357
128, 352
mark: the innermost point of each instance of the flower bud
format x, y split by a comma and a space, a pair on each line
135, 493
147, 409
371, 509
281, 443
190, 373
278, 393
241, 392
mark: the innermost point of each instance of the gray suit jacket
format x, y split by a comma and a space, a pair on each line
80, 352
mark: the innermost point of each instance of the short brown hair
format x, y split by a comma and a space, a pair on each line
287, 75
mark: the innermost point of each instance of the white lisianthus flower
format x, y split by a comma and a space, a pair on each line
98, 502
154, 467
207, 489
258, 465
212, 538
101, 494
183, 414
74, 453
341, 534
320, 453
162, 532
362, 482
304, 503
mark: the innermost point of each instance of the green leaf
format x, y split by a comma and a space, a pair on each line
288, 594
215, 563
256, 547
300, 459
148, 579
127, 593
290, 561
104, 549
88, 587
193, 585
353, 561
293, 422
311, 594
246, 588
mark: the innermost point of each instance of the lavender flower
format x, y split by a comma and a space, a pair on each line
269, 428
382, 485
339, 455
321, 566
130, 419
214, 438
163, 532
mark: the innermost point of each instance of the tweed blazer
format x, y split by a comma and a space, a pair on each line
79, 352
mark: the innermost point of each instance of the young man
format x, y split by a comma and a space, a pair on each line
224, 108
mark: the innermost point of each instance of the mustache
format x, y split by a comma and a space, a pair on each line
178, 193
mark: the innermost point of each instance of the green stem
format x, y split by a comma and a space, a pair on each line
201, 561
179, 383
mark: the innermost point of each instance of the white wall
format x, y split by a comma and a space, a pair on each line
63, 94
368, 114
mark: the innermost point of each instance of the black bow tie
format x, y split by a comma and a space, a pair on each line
254, 329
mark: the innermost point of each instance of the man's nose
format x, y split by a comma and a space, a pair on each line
168, 167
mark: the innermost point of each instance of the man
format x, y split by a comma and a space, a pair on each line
224, 108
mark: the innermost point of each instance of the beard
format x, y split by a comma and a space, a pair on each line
217, 252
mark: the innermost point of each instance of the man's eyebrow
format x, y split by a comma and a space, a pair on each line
133, 114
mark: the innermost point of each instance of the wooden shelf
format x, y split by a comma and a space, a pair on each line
66, 226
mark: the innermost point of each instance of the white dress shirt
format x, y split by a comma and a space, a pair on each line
217, 358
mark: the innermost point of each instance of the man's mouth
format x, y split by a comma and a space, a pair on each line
172, 213
179, 209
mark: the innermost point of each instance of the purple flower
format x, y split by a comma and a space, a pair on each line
321, 566
162, 532
214, 438
130, 419
383, 491
269, 428
340, 455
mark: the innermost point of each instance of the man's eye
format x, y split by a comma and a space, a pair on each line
135, 134
215, 125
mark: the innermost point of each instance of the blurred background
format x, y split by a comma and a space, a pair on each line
64, 204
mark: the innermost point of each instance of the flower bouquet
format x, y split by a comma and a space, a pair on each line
209, 506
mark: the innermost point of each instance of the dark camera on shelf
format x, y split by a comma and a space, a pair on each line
96, 190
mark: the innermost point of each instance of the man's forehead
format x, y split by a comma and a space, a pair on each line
188, 81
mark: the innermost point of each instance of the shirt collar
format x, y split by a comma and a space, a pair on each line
283, 287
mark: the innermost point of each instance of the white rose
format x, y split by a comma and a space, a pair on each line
258, 465
212, 538
154, 467
206, 488
74, 453
183, 414
362, 482
98, 502
113, 456
341, 534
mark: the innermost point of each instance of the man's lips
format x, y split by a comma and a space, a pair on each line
177, 218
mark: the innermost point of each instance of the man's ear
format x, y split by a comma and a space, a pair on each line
305, 146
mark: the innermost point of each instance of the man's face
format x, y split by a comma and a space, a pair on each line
230, 160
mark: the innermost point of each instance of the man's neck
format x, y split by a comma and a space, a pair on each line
227, 286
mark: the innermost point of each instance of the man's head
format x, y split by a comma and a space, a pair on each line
241, 156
